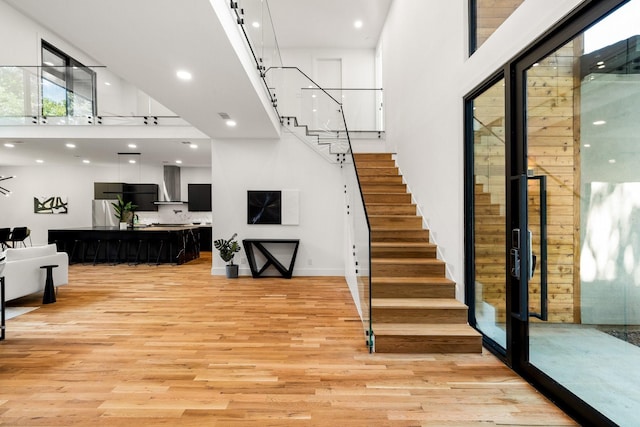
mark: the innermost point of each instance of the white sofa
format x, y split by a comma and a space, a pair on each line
23, 275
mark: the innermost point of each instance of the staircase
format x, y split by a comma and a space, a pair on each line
413, 305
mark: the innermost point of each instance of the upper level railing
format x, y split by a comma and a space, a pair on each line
254, 19
49, 95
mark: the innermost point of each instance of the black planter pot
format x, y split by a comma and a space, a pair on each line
232, 271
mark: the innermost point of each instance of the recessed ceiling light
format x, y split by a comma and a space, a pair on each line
599, 122
70, 145
358, 24
179, 162
39, 161
9, 145
193, 146
587, 145
612, 161
132, 146
601, 66
255, 24
86, 161
536, 64
231, 123
132, 161
183, 75
107, 84
600, 63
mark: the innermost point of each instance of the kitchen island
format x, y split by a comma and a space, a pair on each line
161, 243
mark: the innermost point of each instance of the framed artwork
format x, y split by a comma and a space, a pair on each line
50, 205
264, 207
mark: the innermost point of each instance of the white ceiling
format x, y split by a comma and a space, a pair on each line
328, 23
146, 41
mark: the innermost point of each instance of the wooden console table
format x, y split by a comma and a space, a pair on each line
258, 244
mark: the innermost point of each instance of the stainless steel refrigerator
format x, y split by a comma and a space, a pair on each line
103, 214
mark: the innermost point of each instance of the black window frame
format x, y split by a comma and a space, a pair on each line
69, 63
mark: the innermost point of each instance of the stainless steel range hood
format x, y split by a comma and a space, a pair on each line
170, 187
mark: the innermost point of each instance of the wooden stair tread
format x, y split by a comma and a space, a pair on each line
396, 229
424, 280
403, 244
408, 261
424, 329
425, 303
394, 217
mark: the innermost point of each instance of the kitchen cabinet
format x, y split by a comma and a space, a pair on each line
199, 197
141, 195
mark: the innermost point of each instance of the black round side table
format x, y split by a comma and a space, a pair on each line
49, 295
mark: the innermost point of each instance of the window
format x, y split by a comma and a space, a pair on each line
68, 87
485, 17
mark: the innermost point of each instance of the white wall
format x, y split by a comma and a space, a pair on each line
286, 164
73, 182
426, 74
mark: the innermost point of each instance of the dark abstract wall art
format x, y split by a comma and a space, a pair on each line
50, 205
264, 207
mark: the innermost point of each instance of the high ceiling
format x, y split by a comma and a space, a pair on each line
328, 23
146, 41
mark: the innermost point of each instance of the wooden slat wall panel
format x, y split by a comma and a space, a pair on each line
490, 15
551, 134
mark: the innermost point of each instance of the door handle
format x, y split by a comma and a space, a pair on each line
514, 253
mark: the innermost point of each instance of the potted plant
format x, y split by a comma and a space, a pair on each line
125, 212
228, 249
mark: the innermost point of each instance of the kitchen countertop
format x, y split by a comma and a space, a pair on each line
153, 227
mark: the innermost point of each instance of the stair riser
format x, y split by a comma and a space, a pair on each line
375, 164
420, 344
384, 179
387, 198
384, 188
416, 315
407, 270
391, 209
399, 235
391, 171
363, 157
400, 252
412, 291
395, 221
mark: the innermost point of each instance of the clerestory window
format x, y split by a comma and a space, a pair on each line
68, 87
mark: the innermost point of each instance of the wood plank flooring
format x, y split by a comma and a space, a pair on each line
174, 346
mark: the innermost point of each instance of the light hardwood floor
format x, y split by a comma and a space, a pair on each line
174, 346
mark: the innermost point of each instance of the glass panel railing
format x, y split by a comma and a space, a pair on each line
302, 103
360, 107
33, 95
358, 246
254, 19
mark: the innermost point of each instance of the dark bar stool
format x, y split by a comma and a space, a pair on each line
92, 244
76, 244
136, 260
158, 245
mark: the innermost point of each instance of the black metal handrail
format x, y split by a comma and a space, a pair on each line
357, 176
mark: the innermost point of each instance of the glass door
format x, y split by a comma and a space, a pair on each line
489, 230
579, 205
